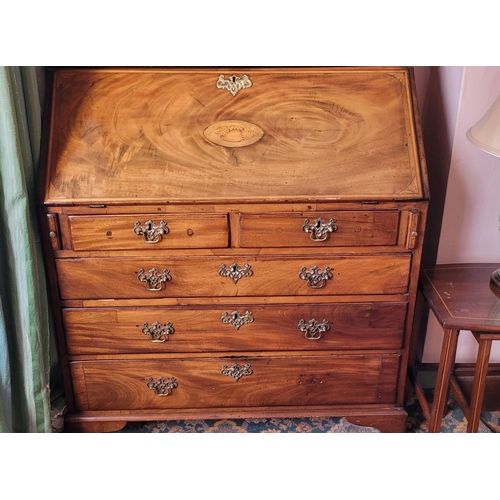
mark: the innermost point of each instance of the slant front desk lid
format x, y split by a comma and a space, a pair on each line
230, 134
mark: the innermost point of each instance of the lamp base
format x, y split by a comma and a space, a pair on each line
495, 281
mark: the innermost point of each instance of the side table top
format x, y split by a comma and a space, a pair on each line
461, 297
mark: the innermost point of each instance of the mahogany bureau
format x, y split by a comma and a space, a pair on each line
233, 242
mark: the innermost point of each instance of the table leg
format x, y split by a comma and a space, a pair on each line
446, 365
480, 372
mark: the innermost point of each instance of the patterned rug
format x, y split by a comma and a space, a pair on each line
453, 421
259, 425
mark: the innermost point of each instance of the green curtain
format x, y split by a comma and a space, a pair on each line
25, 328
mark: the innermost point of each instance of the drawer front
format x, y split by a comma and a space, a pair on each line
148, 232
231, 382
240, 328
193, 276
342, 228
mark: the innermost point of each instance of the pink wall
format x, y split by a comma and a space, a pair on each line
464, 180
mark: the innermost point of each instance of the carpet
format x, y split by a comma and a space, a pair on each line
259, 425
454, 420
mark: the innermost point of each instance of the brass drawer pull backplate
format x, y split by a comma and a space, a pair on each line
313, 330
162, 387
158, 333
150, 232
154, 281
315, 277
319, 230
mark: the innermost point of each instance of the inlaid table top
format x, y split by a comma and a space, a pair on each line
461, 297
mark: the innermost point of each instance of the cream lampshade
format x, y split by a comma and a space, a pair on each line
485, 134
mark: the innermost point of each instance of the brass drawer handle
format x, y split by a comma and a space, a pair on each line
235, 272
319, 230
158, 333
234, 83
150, 232
237, 319
162, 387
154, 281
236, 371
315, 277
313, 330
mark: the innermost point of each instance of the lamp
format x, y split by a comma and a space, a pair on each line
485, 134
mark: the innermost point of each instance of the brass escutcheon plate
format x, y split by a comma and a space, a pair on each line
233, 133
234, 83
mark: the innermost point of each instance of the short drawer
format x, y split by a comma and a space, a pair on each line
319, 229
198, 276
235, 382
251, 327
148, 232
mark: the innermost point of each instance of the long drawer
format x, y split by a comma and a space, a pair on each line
195, 276
235, 382
248, 328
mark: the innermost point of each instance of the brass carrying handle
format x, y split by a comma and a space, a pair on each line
319, 230
162, 387
150, 232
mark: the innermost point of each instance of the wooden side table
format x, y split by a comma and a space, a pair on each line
460, 297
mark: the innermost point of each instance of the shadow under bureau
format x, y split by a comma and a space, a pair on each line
232, 242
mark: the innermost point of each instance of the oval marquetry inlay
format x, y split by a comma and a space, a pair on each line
233, 133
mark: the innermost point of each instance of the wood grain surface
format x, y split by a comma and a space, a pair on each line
194, 276
139, 136
275, 380
273, 327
